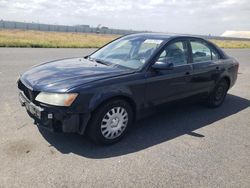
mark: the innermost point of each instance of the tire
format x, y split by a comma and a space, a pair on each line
110, 122
218, 95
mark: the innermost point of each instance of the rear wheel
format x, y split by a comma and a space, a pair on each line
217, 97
110, 122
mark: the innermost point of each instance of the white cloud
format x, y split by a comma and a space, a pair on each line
156, 2
182, 16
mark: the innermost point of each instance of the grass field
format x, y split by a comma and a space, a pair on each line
40, 39
232, 43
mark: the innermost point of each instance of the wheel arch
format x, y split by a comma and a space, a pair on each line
126, 98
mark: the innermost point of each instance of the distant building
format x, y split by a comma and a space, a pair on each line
237, 34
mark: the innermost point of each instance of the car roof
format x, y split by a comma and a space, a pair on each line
163, 36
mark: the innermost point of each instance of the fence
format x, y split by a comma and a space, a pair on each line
85, 29
62, 28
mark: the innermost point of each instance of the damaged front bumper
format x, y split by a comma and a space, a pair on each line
55, 119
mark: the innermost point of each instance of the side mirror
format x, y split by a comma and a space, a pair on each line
163, 65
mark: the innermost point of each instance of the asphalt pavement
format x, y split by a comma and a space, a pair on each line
183, 146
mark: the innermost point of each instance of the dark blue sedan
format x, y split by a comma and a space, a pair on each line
103, 93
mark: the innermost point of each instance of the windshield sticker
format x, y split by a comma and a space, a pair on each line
153, 41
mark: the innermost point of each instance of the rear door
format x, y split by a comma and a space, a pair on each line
206, 66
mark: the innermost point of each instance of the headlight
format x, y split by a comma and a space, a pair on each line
57, 99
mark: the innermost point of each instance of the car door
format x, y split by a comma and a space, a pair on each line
166, 85
206, 66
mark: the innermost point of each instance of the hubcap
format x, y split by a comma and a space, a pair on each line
219, 93
114, 122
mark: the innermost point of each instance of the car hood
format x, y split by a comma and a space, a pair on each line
62, 75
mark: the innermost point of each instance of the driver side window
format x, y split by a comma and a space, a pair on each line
175, 53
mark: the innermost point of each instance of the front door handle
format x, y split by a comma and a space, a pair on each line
187, 73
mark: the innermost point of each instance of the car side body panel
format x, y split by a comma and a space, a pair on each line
131, 87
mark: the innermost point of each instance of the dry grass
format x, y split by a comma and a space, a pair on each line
40, 39
232, 43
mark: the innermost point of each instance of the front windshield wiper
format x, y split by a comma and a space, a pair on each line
100, 61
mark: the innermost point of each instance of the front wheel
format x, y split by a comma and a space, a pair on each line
110, 122
217, 96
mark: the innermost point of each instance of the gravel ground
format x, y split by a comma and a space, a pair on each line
184, 146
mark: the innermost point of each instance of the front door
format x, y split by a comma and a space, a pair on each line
166, 85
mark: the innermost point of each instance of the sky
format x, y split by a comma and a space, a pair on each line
174, 16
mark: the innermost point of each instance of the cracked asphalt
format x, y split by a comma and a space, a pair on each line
186, 145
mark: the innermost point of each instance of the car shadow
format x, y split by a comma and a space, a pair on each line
166, 124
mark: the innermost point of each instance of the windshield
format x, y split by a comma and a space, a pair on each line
129, 52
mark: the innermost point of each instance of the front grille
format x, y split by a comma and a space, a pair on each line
31, 95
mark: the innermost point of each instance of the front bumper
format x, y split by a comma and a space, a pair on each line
55, 119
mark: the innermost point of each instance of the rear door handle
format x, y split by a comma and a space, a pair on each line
187, 73
217, 68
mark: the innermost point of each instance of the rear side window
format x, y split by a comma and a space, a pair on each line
202, 52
